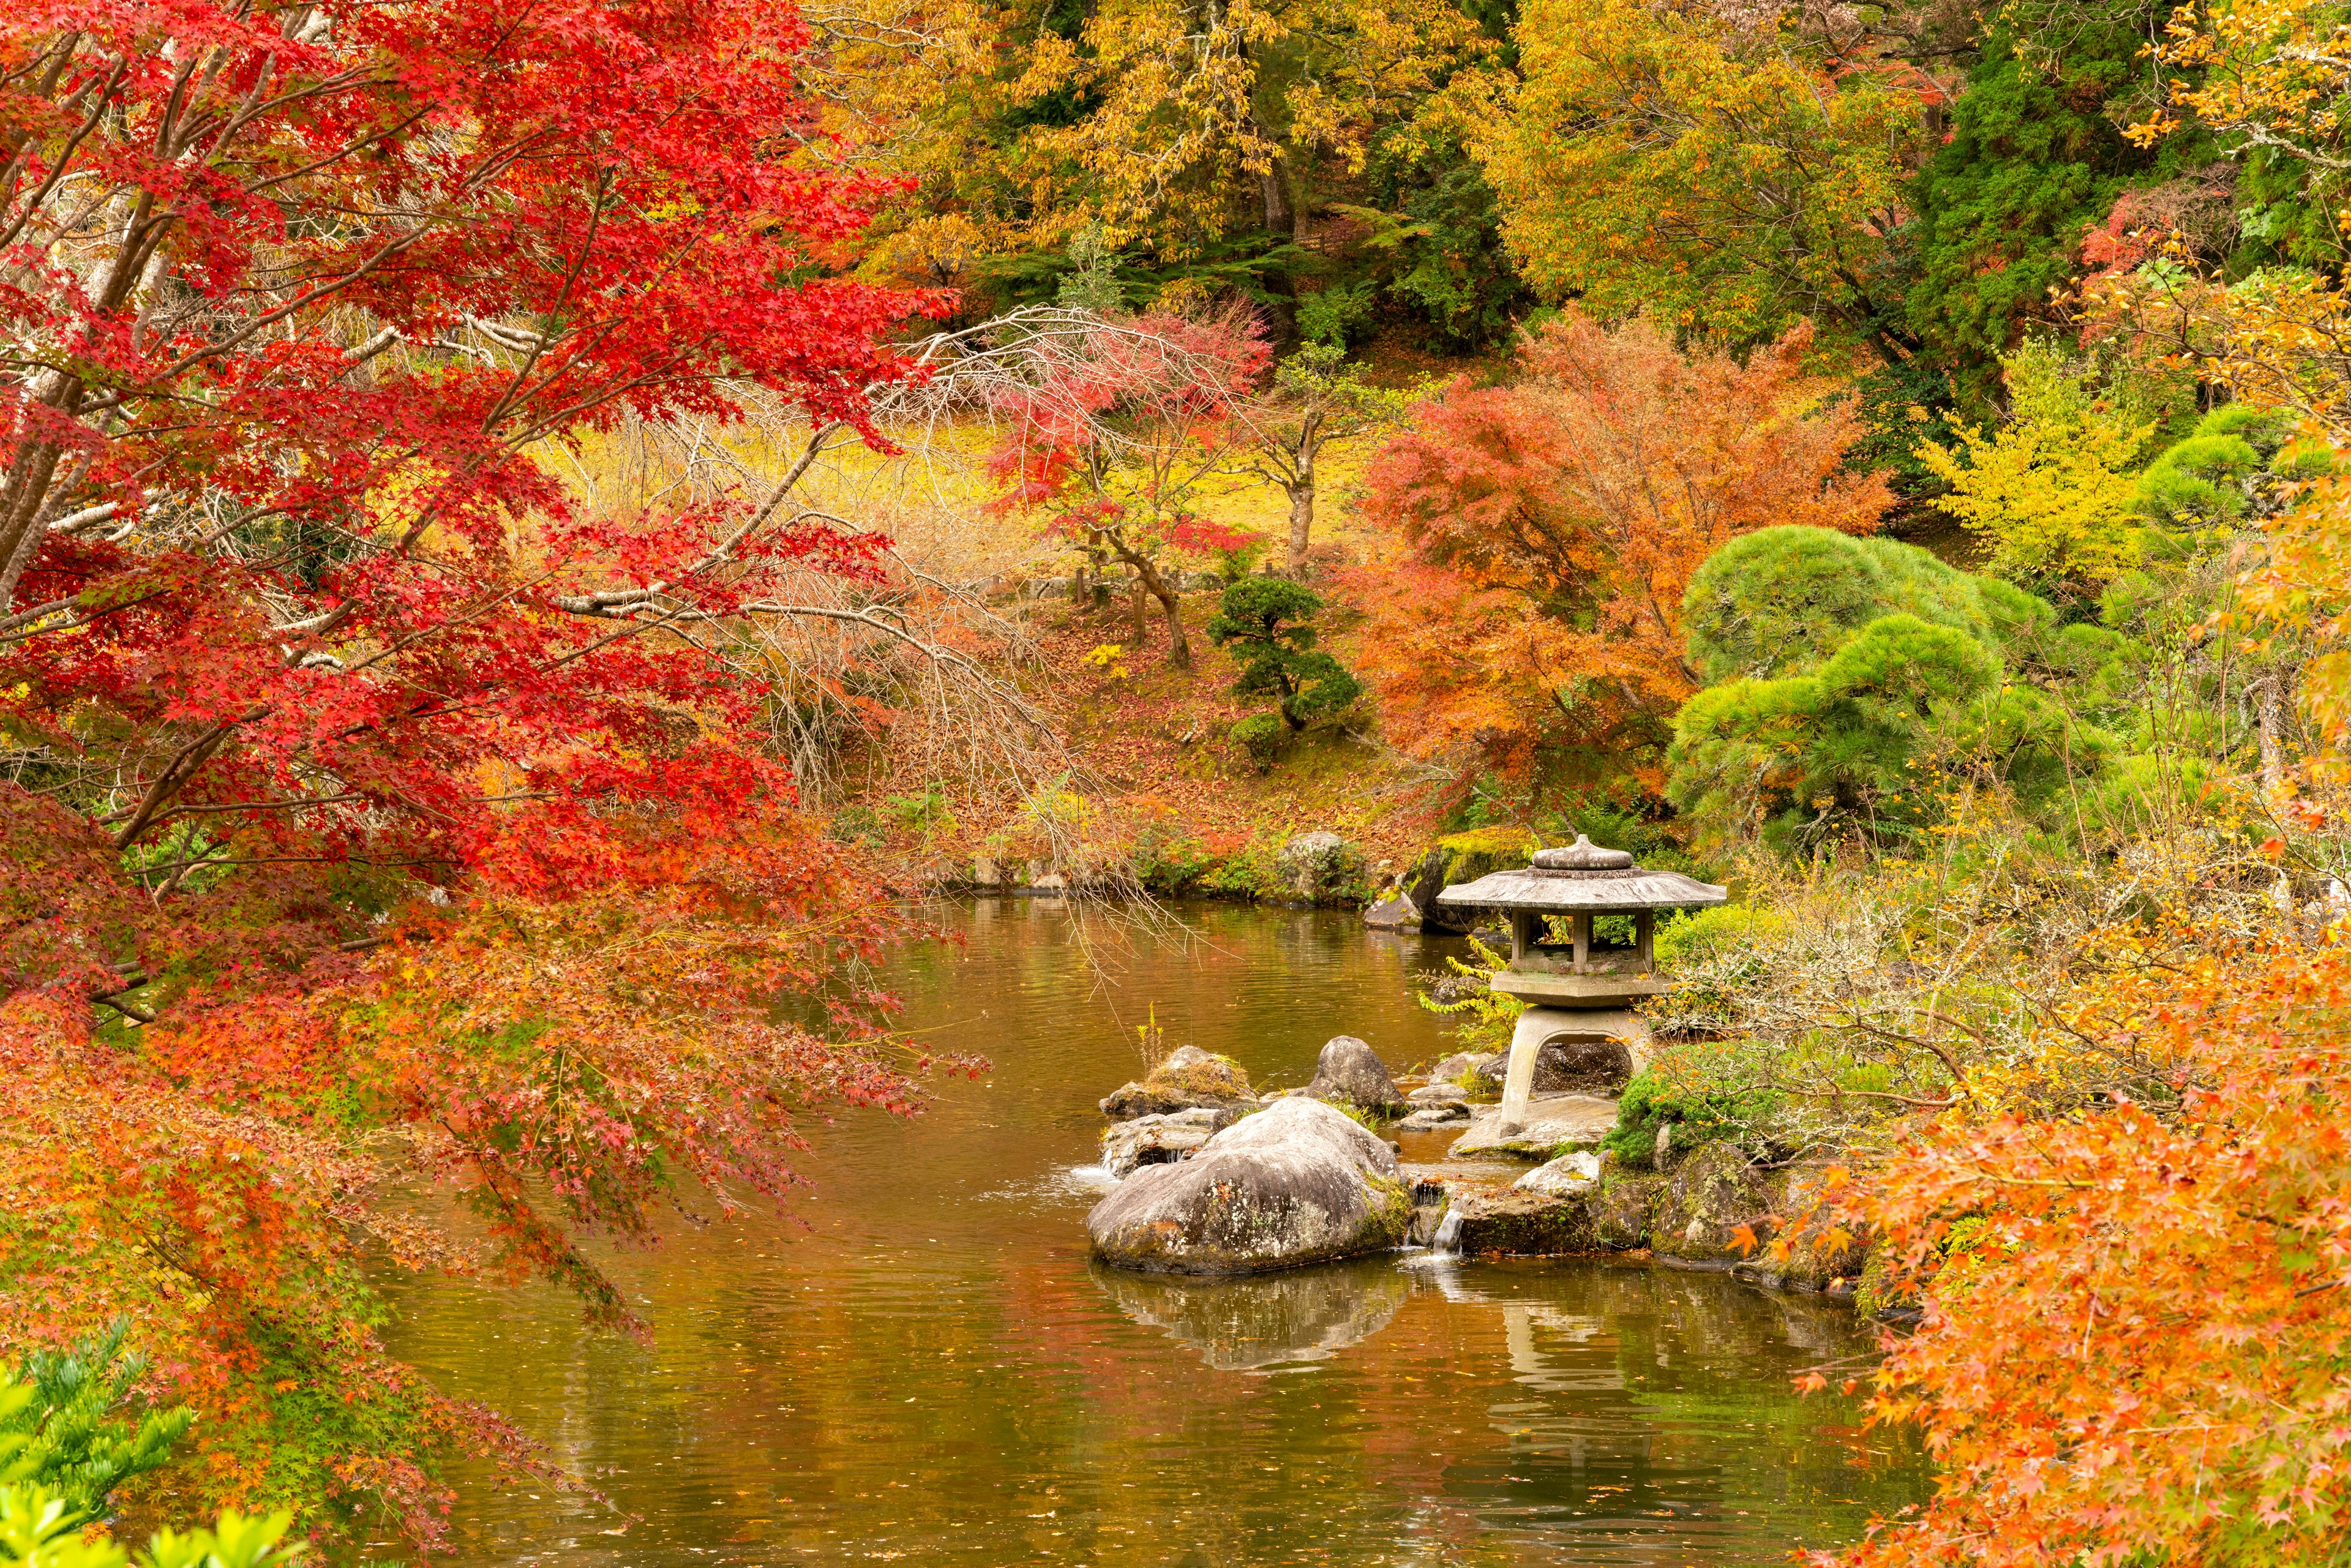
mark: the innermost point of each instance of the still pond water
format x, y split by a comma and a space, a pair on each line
925, 1367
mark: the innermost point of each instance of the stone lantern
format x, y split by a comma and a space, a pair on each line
1581, 992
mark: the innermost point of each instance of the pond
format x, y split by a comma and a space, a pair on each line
925, 1365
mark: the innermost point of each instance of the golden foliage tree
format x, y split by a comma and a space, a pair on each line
2050, 491
1165, 124
1731, 179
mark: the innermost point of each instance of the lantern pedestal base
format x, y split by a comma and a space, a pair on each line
1539, 1026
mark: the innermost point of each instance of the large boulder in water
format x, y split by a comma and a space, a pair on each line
1188, 1080
1351, 1072
1515, 1221
1296, 1183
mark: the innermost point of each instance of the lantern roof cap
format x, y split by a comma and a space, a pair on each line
1583, 878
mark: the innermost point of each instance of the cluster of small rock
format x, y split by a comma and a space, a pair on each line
1218, 1179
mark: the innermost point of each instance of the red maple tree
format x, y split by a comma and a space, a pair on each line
372, 808
1109, 424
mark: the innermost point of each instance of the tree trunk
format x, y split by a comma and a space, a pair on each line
1092, 592
1281, 219
2269, 720
1301, 514
1179, 649
1134, 606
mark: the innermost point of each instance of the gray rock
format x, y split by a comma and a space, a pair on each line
1620, 1211
1319, 866
1161, 1139
1437, 1093
1296, 1183
1449, 1070
1439, 868
1553, 1122
1707, 1199
1396, 911
1570, 1175
1189, 1079
1429, 1118
1350, 1071
1453, 988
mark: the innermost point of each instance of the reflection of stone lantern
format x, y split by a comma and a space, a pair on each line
1579, 992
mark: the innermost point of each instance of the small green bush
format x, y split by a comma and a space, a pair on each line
1171, 867
1264, 737
1269, 622
37, 1530
1691, 936
1649, 1102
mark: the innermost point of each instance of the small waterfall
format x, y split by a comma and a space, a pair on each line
1447, 1242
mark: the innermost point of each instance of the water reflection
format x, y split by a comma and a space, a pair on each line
1289, 1318
921, 1364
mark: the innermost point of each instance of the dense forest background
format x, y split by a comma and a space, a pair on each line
533, 538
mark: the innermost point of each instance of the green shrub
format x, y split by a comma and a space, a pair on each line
1690, 936
1784, 599
1854, 724
1269, 622
926, 812
2211, 479
1648, 1103
1170, 867
37, 1530
1263, 737
1336, 314
1841, 741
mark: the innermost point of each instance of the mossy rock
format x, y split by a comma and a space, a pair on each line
1464, 857
1621, 1207
1297, 1184
1525, 1224
1879, 1295
1189, 1079
1823, 1248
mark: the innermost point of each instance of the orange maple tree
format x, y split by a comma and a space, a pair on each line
1525, 617
2134, 1344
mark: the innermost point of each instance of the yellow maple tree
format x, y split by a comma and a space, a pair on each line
2050, 491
